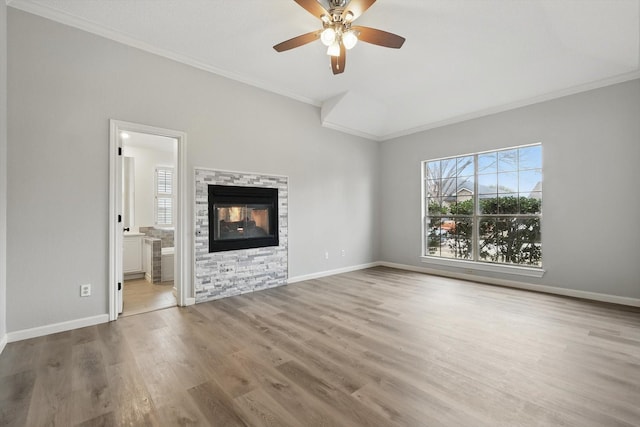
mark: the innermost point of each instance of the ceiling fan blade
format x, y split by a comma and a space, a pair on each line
338, 62
357, 8
379, 37
313, 7
297, 41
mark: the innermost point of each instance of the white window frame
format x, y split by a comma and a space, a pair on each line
469, 266
158, 196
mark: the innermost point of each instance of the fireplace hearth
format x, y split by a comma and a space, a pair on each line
242, 217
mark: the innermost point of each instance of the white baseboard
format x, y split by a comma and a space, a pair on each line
594, 296
56, 327
104, 318
326, 273
187, 301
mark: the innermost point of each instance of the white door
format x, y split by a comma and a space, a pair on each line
116, 217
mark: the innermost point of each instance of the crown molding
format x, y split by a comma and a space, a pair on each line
621, 78
109, 33
350, 131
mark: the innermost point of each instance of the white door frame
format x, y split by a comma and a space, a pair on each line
181, 274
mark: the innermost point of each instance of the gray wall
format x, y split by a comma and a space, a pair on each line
65, 85
3, 170
591, 149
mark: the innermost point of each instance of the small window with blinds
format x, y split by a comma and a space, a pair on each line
164, 196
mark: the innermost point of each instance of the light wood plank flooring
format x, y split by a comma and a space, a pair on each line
378, 347
141, 296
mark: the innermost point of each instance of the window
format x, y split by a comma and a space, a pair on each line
164, 196
485, 207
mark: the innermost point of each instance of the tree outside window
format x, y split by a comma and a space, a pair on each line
485, 207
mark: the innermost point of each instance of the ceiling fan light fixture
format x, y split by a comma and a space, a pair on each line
348, 17
334, 49
349, 39
328, 36
337, 32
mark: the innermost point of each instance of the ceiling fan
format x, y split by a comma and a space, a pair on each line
338, 33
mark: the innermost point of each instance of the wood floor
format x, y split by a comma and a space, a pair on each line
141, 296
378, 347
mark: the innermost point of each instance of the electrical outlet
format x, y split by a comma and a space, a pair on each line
85, 290
326, 255
343, 253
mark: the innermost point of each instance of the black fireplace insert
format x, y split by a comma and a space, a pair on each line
242, 217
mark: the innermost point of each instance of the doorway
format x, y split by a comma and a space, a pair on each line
146, 232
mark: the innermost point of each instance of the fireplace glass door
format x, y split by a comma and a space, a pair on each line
242, 217
240, 221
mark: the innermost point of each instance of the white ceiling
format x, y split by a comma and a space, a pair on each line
462, 58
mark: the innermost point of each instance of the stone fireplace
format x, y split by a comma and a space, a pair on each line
241, 233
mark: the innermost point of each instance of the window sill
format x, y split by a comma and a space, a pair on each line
468, 266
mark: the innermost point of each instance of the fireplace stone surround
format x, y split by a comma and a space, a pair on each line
234, 272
